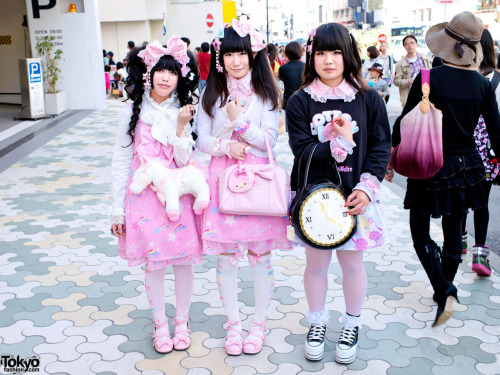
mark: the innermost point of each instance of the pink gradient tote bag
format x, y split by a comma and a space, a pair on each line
254, 189
420, 153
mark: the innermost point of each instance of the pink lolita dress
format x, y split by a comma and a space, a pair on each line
151, 237
224, 233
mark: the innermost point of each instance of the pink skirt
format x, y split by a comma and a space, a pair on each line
226, 233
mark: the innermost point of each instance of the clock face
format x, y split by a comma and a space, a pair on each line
324, 219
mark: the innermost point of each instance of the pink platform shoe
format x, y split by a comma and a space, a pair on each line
253, 343
234, 346
162, 342
182, 336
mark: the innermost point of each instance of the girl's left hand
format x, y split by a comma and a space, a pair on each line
185, 115
358, 201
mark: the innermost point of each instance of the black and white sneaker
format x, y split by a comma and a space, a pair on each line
346, 346
315, 342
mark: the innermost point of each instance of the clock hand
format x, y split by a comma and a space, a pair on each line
323, 209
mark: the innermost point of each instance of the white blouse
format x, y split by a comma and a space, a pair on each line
163, 121
214, 133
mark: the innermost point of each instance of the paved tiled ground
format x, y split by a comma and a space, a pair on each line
69, 300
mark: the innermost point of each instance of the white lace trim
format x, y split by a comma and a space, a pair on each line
351, 321
318, 317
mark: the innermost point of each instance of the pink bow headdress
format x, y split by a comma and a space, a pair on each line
244, 28
154, 51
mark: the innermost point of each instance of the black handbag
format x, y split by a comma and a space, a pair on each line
318, 210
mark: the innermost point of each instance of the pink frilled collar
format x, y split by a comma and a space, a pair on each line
321, 92
240, 87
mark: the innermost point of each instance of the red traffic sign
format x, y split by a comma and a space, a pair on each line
382, 38
445, 1
210, 20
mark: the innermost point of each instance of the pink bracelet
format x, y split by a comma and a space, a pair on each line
243, 127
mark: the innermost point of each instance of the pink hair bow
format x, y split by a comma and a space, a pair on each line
244, 28
175, 48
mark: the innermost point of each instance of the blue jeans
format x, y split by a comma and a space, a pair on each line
202, 84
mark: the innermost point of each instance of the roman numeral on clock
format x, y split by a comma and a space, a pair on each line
325, 196
330, 236
308, 219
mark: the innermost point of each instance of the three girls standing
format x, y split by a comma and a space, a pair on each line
238, 113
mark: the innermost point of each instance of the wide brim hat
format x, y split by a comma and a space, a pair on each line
455, 41
378, 68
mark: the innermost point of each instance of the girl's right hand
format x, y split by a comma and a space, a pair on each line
233, 108
343, 127
237, 150
185, 115
118, 230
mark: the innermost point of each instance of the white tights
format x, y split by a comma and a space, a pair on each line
354, 281
155, 290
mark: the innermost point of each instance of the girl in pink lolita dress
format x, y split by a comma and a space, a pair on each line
157, 126
236, 132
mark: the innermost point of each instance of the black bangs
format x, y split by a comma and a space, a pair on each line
232, 42
167, 62
329, 38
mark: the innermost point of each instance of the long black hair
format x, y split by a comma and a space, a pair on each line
488, 64
332, 37
135, 84
262, 78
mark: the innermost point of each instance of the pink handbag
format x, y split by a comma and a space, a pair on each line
420, 153
255, 189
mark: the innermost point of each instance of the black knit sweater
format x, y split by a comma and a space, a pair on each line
373, 140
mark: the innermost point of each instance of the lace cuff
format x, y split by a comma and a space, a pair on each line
340, 148
319, 317
185, 141
117, 219
368, 184
350, 321
223, 146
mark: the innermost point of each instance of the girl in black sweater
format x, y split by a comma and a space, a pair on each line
333, 85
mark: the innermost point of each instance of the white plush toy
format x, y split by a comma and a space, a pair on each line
170, 184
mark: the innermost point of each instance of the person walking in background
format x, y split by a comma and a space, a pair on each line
408, 67
130, 47
105, 57
110, 57
376, 81
191, 55
238, 115
291, 72
387, 62
157, 126
480, 250
122, 77
462, 95
333, 82
107, 79
272, 54
373, 56
204, 64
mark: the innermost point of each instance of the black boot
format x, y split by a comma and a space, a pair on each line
450, 263
445, 304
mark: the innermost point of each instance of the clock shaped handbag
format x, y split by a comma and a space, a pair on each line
318, 212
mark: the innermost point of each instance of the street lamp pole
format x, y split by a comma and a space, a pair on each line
267, 21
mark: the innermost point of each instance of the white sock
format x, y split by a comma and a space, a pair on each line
263, 284
227, 272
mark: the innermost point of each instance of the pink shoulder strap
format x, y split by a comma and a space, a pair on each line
426, 76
